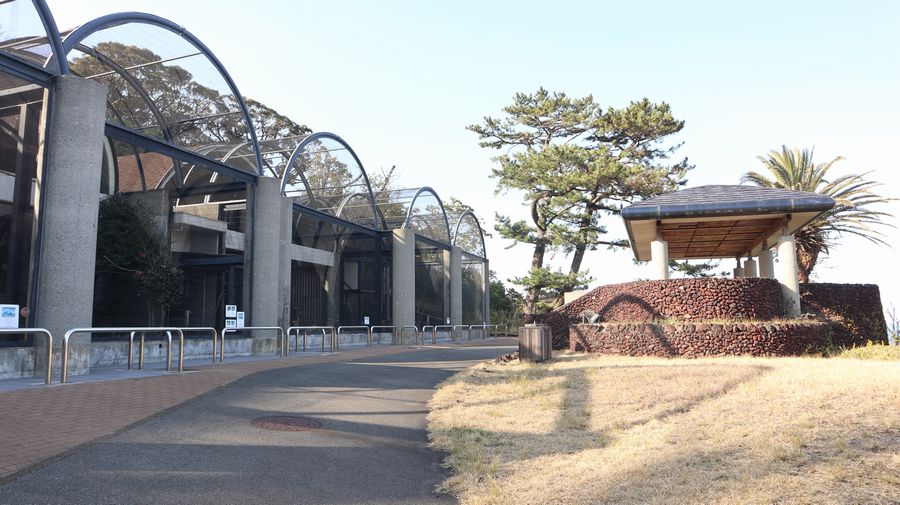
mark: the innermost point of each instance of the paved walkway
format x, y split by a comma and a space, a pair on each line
371, 448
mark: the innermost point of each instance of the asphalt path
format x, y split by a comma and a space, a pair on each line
371, 448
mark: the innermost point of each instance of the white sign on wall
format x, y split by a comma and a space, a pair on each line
366, 320
230, 323
240, 319
9, 316
231, 311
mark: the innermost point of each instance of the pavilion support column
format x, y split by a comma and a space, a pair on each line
750, 268
659, 256
403, 276
766, 264
68, 192
738, 271
786, 273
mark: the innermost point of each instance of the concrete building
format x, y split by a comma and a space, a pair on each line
131, 111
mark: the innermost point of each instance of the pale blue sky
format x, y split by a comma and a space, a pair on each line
401, 80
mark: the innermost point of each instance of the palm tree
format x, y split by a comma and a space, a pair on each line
794, 169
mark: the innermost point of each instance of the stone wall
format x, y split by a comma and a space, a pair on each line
681, 299
703, 339
854, 311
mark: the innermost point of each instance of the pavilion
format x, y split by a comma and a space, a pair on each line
721, 221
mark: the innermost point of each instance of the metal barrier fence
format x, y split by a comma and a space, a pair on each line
215, 343
340, 329
281, 337
456, 328
215, 336
473, 326
168, 331
374, 329
437, 330
426, 328
415, 335
37, 331
306, 329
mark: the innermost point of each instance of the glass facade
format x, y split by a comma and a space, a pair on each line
432, 285
21, 109
339, 275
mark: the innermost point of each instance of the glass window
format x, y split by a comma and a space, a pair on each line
21, 107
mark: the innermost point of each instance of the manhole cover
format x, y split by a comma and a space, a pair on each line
286, 423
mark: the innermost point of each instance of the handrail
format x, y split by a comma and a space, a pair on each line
483, 327
433, 337
368, 333
456, 326
306, 328
281, 338
415, 335
31, 331
168, 330
372, 332
438, 328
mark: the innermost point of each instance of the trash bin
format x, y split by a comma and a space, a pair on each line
535, 343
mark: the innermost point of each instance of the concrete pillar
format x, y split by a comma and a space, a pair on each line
68, 196
284, 261
750, 268
486, 272
766, 264
403, 277
738, 272
786, 273
659, 254
456, 296
445, 263
265, 299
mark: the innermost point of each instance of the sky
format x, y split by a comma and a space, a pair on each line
400, 80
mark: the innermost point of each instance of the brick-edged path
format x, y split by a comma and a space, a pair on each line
41, 424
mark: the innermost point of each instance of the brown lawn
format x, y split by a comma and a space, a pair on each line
607, 429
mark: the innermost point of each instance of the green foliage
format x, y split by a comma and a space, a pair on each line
127, 242
506, 303
704, 269
575, 164
853, 215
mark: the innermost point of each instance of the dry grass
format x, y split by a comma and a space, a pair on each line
604, 429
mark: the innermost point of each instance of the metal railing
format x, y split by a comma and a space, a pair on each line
437, 329
426, 328
141, 350
168, 331
34, 331
373, 331
281, 338
306, 329
456, 328
473, 326
341, 329
215, 336
415, 335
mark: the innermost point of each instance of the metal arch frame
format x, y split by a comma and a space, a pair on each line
121, 18
412, 205
289, 168
53, 36
477, 223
